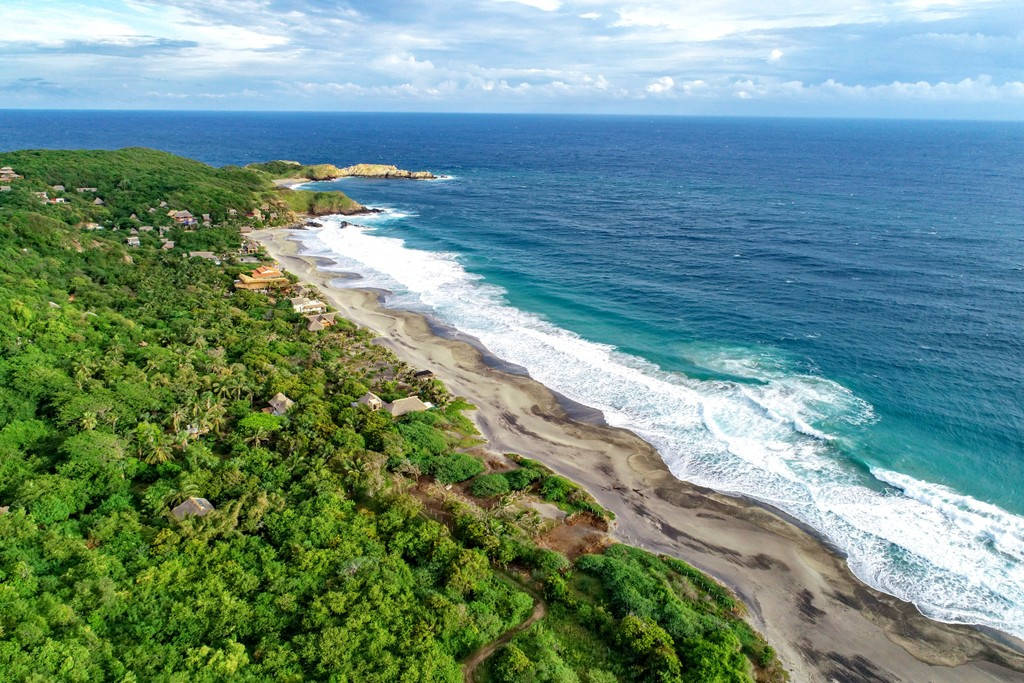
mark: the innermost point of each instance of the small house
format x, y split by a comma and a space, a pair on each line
5, 188
57, 188
85, 189
167, 245
279, 405
132, 241
245, 229
163, 205
409, 404
206, 219
232, 212
423, 374
151, 210
41, 195
98, 202
134, 217
320, 321
370, 400
4, 509
145, 228
301, 304
192, 507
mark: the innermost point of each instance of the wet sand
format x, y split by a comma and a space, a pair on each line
825, 623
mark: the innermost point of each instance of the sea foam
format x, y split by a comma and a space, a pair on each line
956, 558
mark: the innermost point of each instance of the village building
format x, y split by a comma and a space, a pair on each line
423, 374
263, 278
255, 213
145, 228
301, 304
163, 205
182, 217
370, 400
249, 247
151, 210
248, 259
409, 404
132, 241
245, 229
57, 188
41, 195
85, 189
206, 218
4, 509
167, 245
57, 200
208, 255
134, 217
232, 212
5, 188
279, 405
98, 202
92, 226
193, 507
320, 321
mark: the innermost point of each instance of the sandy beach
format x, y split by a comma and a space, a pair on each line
825, 624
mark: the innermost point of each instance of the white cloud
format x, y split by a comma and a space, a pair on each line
775, 55
590, 15
544, 5
661, 85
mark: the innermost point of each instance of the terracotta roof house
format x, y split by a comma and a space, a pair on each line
409, 404
193, 507
370, 400
301, 304
280, 404
266, 272
264, 277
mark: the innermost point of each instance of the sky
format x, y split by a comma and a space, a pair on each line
873, 58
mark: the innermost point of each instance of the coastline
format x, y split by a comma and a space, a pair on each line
823, 621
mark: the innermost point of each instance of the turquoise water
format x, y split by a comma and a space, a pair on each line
824, 315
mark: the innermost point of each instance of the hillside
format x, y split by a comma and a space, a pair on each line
342, 543
293, 169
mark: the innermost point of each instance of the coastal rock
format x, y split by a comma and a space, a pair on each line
383, 171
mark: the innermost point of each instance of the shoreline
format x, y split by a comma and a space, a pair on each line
824, 623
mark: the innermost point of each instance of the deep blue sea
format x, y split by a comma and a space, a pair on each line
826, 315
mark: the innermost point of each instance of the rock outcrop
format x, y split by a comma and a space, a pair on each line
383, 171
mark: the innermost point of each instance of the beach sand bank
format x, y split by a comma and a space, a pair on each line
825, 623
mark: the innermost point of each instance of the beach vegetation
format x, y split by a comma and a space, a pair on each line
489, 485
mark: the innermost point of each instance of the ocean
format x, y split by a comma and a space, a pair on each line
824, 315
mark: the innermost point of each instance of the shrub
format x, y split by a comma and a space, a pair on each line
455, 467
519, 479
489, 485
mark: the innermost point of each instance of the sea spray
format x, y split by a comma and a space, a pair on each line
957, 559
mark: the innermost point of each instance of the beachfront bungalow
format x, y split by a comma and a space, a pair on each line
371, 400
279, 405
409, 404
133, 241
193, 507
85, 189
301, 304
208, 255
98, 202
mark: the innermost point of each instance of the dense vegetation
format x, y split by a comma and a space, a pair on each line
293, 169
345, 544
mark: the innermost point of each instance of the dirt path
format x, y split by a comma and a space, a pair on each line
471, 664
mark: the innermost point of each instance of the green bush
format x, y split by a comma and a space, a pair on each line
521, 478
489, 485
455, 467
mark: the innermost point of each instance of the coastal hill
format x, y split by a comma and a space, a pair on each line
197, 482
293, 169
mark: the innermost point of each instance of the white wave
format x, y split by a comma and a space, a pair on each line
956, 558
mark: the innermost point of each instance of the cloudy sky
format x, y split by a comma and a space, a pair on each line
921, 58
